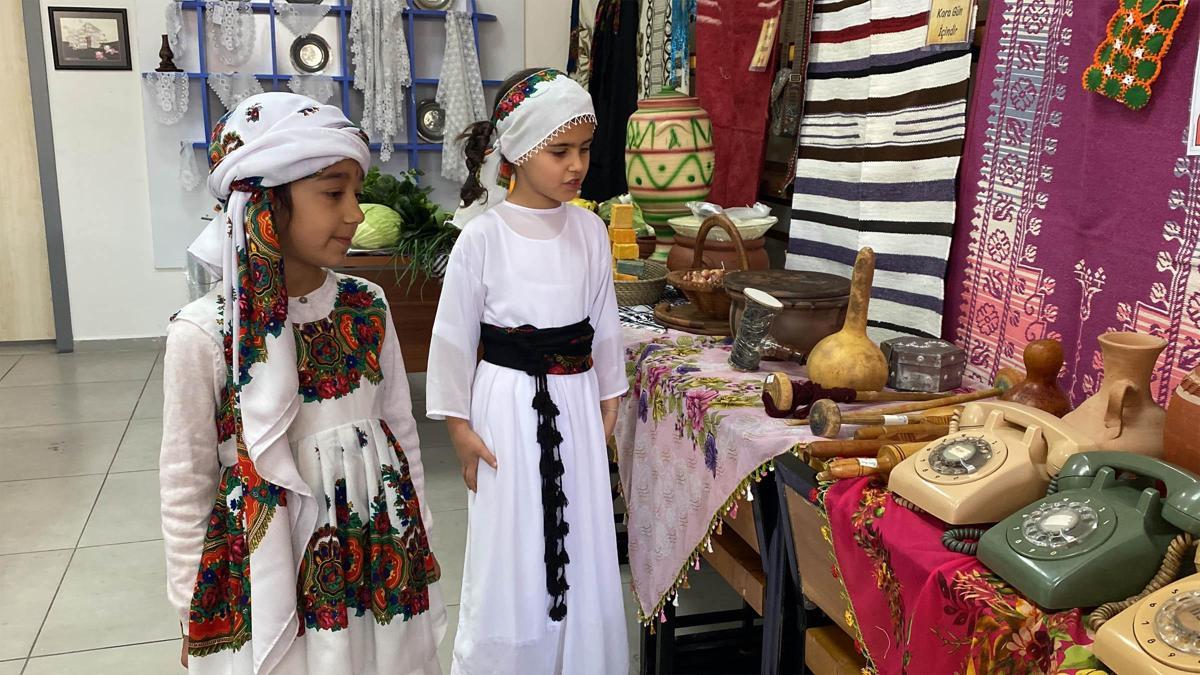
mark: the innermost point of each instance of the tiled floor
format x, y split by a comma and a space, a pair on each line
81, 564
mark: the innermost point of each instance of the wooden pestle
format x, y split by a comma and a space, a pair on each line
849, 358
826, 418
778, 388
1043, 361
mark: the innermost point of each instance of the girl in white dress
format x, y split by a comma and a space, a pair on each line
530, 281
293, 510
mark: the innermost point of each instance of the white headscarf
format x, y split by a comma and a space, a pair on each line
529, 117
268, 140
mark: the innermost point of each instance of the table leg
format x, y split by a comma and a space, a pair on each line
649, 652
666, 643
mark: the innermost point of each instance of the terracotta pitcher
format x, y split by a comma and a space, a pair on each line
1182, 437
1122, 415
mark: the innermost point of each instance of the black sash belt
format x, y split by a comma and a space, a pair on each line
540, 353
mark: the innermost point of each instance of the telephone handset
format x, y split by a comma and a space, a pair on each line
1001, 458
1100, 538
1161, 632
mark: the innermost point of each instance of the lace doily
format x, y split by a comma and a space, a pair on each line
320, 88
169, 92
381, 68
300, 19
230, 30
175, 28
233, 88
460, 92
190, 175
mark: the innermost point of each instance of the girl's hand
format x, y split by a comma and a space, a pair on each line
608, 413
470, 448
183, 656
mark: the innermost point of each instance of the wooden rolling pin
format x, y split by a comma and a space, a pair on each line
867, 447
902, 432
888, 457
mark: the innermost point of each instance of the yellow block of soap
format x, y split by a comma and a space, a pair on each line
624, 277
622, 216
623, 236
625, 251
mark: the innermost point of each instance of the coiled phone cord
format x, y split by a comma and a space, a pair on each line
1052, 488
963, 540
1177, 553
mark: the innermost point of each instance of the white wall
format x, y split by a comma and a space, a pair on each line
117, 170
547, 32
99, 146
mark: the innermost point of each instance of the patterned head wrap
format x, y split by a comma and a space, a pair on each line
529, 117
268, 140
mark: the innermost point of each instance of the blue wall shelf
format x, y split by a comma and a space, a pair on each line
344, 79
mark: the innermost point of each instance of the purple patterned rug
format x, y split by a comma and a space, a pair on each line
1076, 215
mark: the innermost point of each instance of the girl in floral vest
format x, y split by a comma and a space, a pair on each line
293, 509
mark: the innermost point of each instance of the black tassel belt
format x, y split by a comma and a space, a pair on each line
539, 353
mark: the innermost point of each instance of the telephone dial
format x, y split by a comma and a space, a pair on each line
1100, 538
1001, 458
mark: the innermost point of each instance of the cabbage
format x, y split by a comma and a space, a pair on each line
379, 230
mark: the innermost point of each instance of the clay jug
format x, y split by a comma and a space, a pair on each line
1181, 439
1043, 361
669, 160
849, 358
1122, 415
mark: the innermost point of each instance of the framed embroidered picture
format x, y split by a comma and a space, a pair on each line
90, 38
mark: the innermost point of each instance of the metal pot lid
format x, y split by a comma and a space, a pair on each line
310, 53
433, 4
431, 121
790, 284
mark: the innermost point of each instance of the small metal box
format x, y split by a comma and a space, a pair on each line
921, 364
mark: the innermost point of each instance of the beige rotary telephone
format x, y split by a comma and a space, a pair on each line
1001, 458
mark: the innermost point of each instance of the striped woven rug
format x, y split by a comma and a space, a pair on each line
883, 127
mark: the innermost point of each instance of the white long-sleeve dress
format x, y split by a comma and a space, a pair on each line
512, 267
367, 601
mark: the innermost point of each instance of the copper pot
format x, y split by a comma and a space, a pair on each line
814, 304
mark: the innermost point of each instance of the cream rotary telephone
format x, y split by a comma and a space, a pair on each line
1001, 458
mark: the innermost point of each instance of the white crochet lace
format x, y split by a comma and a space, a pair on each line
233, 88
381, 68
300, 19
460, 92
169, 92
230, 30
175, 28
190, 175
571, 123
320, 88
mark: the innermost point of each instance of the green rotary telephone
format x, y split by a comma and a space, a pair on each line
1100, 538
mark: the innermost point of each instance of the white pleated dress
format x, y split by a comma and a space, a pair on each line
500, 273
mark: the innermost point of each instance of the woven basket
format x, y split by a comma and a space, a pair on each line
711, 300
647, 289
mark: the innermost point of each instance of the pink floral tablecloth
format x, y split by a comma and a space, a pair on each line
692, 436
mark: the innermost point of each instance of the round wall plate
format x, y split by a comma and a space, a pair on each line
433, 4
310, 53
431, 121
